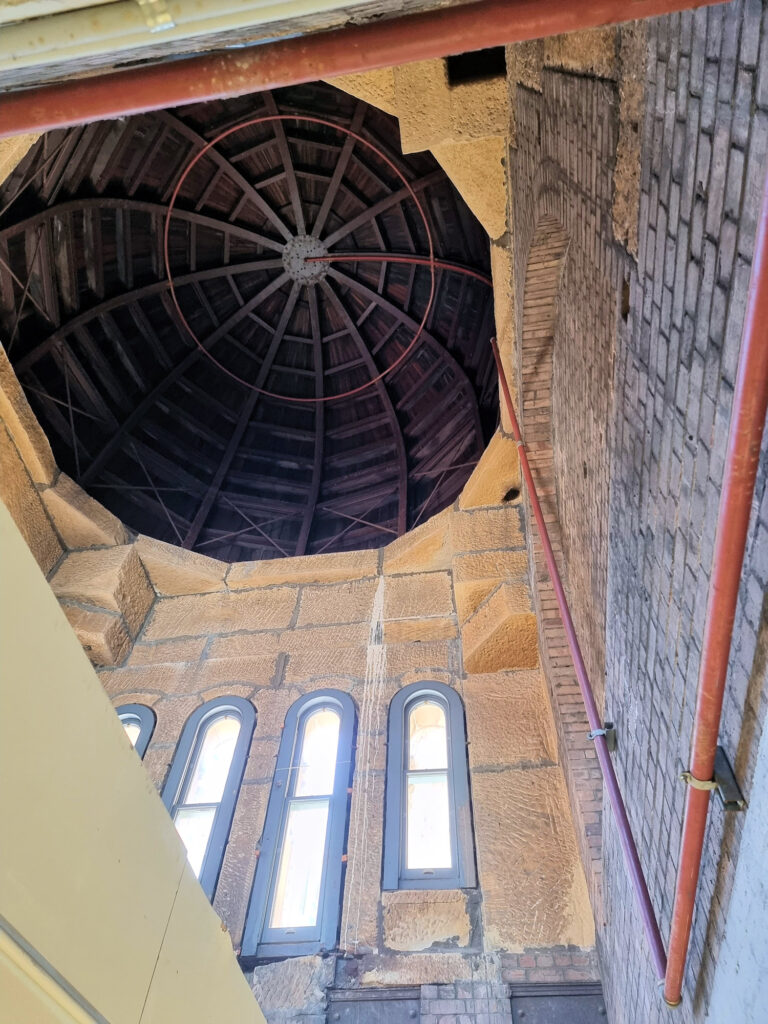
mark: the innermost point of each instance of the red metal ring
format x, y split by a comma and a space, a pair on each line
390, 164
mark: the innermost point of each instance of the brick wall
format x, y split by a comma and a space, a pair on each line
704, 159
645, 392
567, 270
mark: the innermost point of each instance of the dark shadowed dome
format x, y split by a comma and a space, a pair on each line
174, 433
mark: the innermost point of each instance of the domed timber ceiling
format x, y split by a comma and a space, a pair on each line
175, 404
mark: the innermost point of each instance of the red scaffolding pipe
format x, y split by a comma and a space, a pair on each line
352, 49
631, 858
750, 402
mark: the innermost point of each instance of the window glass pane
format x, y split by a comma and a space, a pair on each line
427, 739
209, 774
194, 825
428, 830
300, 873
318, 754
132, 728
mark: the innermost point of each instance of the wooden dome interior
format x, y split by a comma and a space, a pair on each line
176, 437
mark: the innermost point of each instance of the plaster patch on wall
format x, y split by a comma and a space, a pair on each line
417, 920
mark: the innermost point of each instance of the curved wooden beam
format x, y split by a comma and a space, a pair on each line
142, 206
290, 173
135, 295
405, 318
225, 165
338, 172
173, 375
242, 423
383, 204
317, 467
402, 460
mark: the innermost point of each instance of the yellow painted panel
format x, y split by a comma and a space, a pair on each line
90, 863
196, 957
28, 995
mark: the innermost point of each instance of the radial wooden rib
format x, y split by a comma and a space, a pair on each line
229, 169
317, 467
178, 370
432, 342
397, 433
285, 152
383, 204
242, 424
339, 170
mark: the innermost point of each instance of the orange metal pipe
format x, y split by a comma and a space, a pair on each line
750, 402
355, 48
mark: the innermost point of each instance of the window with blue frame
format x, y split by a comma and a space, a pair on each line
204, 781
296, 897
428, 842
139, 723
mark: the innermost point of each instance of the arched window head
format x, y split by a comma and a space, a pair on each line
139, 724
428, 825
296, 898
203, 783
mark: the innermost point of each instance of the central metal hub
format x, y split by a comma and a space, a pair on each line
295, 256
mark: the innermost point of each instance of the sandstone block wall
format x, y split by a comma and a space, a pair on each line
172, 629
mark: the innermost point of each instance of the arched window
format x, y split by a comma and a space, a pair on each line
139, 724
202, 786
428, 824
296, 897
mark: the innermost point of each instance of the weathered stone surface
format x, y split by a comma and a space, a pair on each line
306, 639
246, 645
476, 168
331, 568
509, 719
172, 714
502, 633
104, 635
227, 689
21, 423
13, 150
415, 630
157, 679
20, 497
424, 549
272, 706
487, 529
431, 111
476, 575
414, 969
174, 572
260, 766
81, 521
360, 920
375, 87
325, 663
298, 981
433, 654
418, 595
255, 671
111, 578
337, 602
488, 565
202, 614
497, 472
416, 920
534, 892
504, 315
237, 870
167, 652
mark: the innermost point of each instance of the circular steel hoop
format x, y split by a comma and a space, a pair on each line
174, 298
